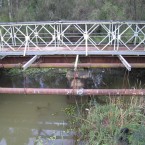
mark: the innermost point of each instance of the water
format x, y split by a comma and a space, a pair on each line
24, 118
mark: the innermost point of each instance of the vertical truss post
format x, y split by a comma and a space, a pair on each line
36, 35
54, 35
125, 63
12, 35
86, 36
61, 32
112, 33
58, 34
26, 41
110, 30
76, 63
118, 36
135, 34
26, 45
114, 37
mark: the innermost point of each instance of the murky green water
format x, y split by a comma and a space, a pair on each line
23, 118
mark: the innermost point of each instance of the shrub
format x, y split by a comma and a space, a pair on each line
104, 124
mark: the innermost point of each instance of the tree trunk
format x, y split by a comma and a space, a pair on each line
9, 10
134, 6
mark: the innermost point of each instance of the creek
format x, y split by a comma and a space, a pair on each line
29, 119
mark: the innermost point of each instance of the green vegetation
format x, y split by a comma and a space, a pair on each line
46, 10
114, 123
40, 140
34, 71
35, 77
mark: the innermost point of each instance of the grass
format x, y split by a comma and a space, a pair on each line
104, 124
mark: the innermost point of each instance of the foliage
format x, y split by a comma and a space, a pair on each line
43, 140
33, 71
103, 123
35, 77
45, 10
70, 110
138, 137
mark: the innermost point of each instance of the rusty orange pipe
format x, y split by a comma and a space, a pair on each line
83, 92
70, 65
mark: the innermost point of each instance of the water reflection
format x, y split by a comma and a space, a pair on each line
3, 142
21, 122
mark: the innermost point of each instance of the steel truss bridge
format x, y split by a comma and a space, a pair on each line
77, 38
73, 44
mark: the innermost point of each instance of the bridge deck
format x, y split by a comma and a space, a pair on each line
72, 51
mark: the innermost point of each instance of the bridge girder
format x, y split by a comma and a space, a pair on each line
69, 62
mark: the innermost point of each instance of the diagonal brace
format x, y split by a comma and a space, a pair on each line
26, 65
2, 56
76, 62
125, 63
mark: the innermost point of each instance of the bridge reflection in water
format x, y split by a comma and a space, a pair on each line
24, 118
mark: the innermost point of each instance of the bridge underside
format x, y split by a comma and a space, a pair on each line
73, 44
68, 61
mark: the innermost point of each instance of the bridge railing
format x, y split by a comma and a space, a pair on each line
73, 36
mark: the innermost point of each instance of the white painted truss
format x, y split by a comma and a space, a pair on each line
73, 37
